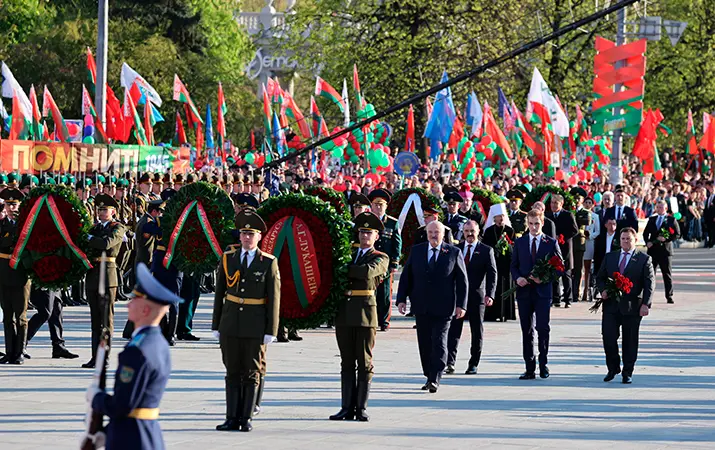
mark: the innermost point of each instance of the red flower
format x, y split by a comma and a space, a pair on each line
51, 268
562, 241
556, 263
671, 230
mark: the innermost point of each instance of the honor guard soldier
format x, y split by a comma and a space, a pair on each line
356, 320
157, 186
142, 373
245, 318
517, 217
390, 243
106, 236
14, 283
453, 219
359, 204
583, 221
145, 187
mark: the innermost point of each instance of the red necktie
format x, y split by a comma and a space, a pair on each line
466, 257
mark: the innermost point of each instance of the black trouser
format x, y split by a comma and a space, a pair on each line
102, 314
576, 275
190, 292
383, 295
475, 315
356, 344
664, 262
14, 300
49, 309
611, 322
432, 342
528, 308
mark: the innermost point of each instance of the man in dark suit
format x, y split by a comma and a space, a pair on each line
625, 215
566, 230
482, 276
605, 243
533, 297
659, 234
628, 310
607, 200
435, 280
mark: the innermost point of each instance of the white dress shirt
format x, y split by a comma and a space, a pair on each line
609, 241
430, 252
537, 238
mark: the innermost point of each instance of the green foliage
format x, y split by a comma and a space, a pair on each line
538, 192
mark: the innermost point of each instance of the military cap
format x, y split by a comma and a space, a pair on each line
122, 183
522, 188
154, 205
167, 193
99, 179
104, 201
11, 196
359, 199
71, 179
246, 199
249, 220
515, 194
47, 180
88, 182
453, 197
110, 180
64, 179
157, 178
145, 178
430, 211
448, 190
379, 196
27, 181
149, 287
179, 178
3, 179
578, 191
368, 221
13, 179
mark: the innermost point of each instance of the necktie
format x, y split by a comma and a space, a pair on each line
244, 261
359, 255
660, 221
618, 213
622, 265
468, 255
433, 258
533, 250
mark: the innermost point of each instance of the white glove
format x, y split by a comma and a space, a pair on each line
91, 392
268, 339
216, 334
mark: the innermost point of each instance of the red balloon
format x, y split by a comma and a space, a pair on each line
488, 153
486, 140
573, 180
260, 160
581, 175
559, 175
659, 175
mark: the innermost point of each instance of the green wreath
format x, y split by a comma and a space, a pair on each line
484, 199
53, 241
335, 198
543, 193
188, 245
409, 228
333, 248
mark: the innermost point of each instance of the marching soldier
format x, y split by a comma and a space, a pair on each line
106, 236
356, 320
583, 221
245, 318
453, 220
14, 283
517, 217
390, 243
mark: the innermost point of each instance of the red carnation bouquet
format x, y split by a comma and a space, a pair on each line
616, 287
503, 245
562, 240
546, 270
667, 233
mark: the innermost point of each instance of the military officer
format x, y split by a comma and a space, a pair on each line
390, 243
583, 221
359, 204
356, 320
106, 236
14, 283
245, 318
517, 217
453, 220
157, 186
142, 372
145, 187
430, 214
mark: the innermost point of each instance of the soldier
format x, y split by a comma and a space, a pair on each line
106, 236
453, 220
430, 214
583, 221
245, 318
145, 186
14, 283
517, 217
142, 372
157, 187
390, 243
359, 204
356, 320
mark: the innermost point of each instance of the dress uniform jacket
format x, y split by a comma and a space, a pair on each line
144, 241
14, 293
360, 310
518, 222
455, 223
8, 275
143, 371
105, 238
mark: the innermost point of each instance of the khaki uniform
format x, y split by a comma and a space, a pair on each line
583, 221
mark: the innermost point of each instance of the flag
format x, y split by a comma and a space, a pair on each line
50, 107
316, 118
148, 126
410, 138
690, 136
19, 129
356, 85
440, 123
542, 103
5, 125
91, 71
473, 115
708, 140
179, 133
22, 112
114, 111
45, 132
644, 147
36, 127
278, 136
503, 104
291, 109
325, 90
524, 131
131, 115
209, 128
267, 112
491, 129
129, 78
181, 94
199, 140
88, 109
221, 120
457, 133
346, 102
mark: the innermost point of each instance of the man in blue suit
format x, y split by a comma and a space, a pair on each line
435, 280
533, 297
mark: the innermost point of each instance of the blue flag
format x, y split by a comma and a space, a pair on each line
473, 113
209, 129
278, 134
503, 103
440, 124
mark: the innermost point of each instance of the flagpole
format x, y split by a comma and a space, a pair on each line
100, 98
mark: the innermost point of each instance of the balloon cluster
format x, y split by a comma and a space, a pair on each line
88, 130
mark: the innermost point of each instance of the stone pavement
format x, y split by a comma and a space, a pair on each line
670, 404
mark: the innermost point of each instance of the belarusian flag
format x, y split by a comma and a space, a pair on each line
19, 130
50, 107
708, 140
690, 133
356, 85
221, 121
22, 112
91, 71
525, 131
114, 113
36, 128
542, 103
291, 109
316, 117
410, 137
324, 89
131, 114
88, 108
179, 133
181, 94
491, 129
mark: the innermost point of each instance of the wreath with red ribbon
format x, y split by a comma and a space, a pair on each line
543, 194
409, 228
196, 227
483, 201
330, 195
52, 244
286, 216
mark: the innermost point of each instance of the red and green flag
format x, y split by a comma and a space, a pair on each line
293, 111
179, 133
410, 137
692, 141
181, 94
221, 121
325, 90
88, 109
131, 114
708, 140
50, 107
316, 118
114, 114
501, 148
267, 112
358, 93
36, 127
20, 127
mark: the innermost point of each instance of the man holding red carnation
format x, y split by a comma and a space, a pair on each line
627, 309
659, 234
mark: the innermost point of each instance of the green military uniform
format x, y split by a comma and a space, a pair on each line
14, 286
246, 312
583, 221
356, 323
517, 217
390, 243
357, 199
103, 237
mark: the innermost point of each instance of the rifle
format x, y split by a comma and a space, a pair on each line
94, 436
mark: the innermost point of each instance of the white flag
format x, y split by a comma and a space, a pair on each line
11, 88
540, 94
346, 102
130, 76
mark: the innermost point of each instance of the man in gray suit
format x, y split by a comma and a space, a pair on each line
627, 311
435, 280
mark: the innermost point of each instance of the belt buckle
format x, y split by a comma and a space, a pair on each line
349, 293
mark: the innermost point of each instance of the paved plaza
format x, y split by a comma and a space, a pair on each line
671, 403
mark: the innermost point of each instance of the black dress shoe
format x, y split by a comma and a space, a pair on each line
610, 376
188, 337
171, 342
282, 338
246, 425
384, 327
528, 376
5, 359
670, 300
26, 355
344, 414
556, 305
361, 416
627, 379
294, 336
229, 425
449, 370
18, 361
432, 387
63, 353
471, 370
88, 365
544, 372
425, 387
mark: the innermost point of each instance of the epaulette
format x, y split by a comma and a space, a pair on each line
233, 248
136, 340
268, 255
387, 216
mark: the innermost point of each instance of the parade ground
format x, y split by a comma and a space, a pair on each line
671, 403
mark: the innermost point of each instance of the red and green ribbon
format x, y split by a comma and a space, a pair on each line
208, 231
179, 227
59, 223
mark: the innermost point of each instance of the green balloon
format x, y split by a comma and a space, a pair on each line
574, 163
336, 152
488, 172
354, 159
250, 158
88, 140
481, 157
678, 216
